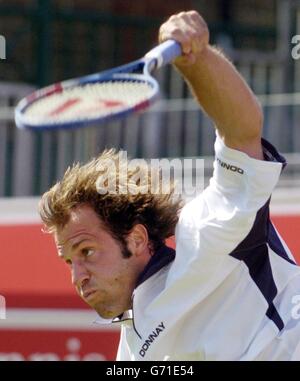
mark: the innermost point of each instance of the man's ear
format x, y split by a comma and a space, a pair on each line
138, 239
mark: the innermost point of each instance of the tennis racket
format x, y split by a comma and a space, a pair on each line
96, 98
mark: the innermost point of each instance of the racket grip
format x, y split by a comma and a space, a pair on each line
165, 52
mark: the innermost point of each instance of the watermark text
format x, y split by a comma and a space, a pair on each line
2, 47
156, 176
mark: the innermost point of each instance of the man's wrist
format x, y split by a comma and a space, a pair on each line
188, 69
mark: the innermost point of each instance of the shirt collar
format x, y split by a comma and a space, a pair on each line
127, 315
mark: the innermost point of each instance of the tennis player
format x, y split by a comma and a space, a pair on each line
229, 290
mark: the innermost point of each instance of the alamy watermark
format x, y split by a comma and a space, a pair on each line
155, 176
2, 47
2, 307
296, 49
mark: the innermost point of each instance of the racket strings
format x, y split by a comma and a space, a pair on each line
89, 101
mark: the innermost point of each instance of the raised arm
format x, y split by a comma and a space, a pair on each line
216, 84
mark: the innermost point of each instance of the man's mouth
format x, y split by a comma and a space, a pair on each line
87, 294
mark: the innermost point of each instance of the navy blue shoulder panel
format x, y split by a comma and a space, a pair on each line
254, 249
254, 252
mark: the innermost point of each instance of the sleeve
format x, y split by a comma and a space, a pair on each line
241, 182
218, 220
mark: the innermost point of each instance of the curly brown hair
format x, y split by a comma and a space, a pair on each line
117, 209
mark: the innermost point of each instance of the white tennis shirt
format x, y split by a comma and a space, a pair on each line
230, 291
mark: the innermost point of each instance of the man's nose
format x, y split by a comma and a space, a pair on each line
79, 274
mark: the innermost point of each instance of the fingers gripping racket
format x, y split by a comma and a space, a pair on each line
96, 98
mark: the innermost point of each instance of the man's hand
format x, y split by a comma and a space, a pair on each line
191, 31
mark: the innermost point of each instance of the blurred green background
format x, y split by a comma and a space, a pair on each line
52, 40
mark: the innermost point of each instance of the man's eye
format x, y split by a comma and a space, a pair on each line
68, 262
87, 252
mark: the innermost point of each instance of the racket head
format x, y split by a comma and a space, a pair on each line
96, 98
93, 99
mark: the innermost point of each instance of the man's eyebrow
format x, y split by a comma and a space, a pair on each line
75, 245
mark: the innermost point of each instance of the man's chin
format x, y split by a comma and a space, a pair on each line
106, 314
101, 310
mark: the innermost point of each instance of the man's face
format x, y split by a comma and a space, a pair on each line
102, 276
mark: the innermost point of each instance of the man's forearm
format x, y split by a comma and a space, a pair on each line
224, 96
